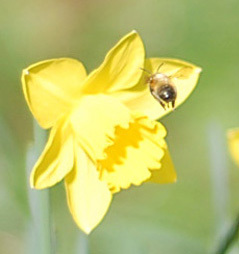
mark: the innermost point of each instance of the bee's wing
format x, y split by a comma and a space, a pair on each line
182, 73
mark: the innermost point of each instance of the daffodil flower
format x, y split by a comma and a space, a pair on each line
103, 135
233, 142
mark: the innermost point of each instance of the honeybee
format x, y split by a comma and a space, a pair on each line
162, 88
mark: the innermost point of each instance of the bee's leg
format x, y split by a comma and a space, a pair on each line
154, 94
173, 104
158, 98
162, 104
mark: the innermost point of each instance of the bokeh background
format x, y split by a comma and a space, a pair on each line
190, 216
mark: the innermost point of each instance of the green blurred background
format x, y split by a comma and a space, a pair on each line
190, 216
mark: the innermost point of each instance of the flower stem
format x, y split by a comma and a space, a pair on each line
82, 244
229, 238
39, 200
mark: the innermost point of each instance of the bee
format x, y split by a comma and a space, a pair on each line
162, 87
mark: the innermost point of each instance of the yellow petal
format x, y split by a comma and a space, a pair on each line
50, 88
139, 97
233, 142
136, 151
121, 67
88, 197
56, 161
166, 173
95, 120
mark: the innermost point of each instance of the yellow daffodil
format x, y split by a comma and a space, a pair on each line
233, 142
103, 135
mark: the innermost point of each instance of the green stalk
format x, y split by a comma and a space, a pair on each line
82, 244
220, 188
40, 235
229, 238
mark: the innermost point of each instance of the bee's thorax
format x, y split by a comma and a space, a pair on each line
158, 79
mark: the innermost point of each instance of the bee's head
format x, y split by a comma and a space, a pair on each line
150, 79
